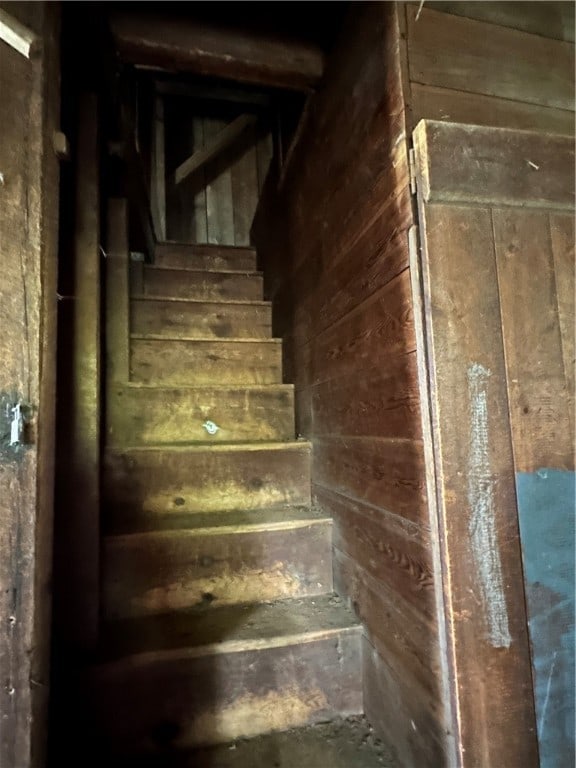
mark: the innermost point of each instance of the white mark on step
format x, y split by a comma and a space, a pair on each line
210, 427
533, 165
547, 697
481, 500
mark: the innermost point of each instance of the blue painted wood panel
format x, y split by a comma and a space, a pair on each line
546, 507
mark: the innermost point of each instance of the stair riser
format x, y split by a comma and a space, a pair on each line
162, 482
166, 416
204, 320
204, 363
183, 702
204, 257
203, 286
146, 574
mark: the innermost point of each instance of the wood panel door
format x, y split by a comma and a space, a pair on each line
494, 290
29, 111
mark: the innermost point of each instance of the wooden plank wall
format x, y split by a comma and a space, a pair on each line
29, 236
498, 286
216, 205
333, 241
505, 64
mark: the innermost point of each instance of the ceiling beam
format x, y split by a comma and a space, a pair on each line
182, 45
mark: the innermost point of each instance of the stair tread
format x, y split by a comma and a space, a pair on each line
207, 270
178, 299
228, 340
207, 631
205, 246
209, 387
278, 445
274, 518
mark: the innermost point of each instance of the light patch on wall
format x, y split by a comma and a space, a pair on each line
481, 499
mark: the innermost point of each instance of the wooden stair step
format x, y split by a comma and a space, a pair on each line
158, 360
227, 561
188, 256
173, 479
203, 319
198, 679
151, 415
202, 284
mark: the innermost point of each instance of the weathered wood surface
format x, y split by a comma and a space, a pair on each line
434, 103
541, 404
164, 571
209, 320
217, 144
494, 166
342, 301
219, 201
245, 190
187, 256
141, 482
534, 254
78, 527
230, 54
480, 546
289, 682
201, 363
562, 241
474, 56
552, 19
28, 231
18, 36
158, 170
117, 293
156, 415
201, 285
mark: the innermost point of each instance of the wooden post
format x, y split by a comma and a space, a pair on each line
158, 174
82, 532
117, 294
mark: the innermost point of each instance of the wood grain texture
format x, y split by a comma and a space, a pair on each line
212, 51
245, 191
494, 166
554, 20
201, 285
386, 473
562, 240
188, 256
157, 415
206, 479
286, 685
219, 203
483, 580
29, 234
540, 404
161, 572
342, 301
433, 103
183, 362
459, 53
206, 320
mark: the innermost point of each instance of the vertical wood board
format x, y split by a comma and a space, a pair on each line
475, 489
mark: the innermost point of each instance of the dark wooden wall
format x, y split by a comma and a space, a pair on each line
333, 241
505, 64
216, 205
30, 99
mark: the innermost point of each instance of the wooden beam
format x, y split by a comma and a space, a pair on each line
219, 143
158, 171
234, 54
17, 35
82, 531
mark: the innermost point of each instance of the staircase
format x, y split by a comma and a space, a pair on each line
219, 620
